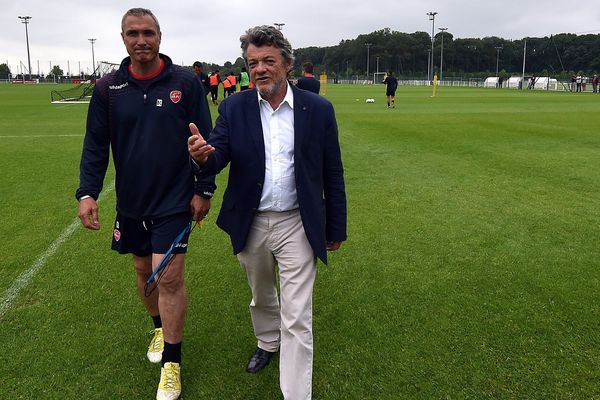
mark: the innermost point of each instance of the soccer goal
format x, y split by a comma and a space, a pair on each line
83, 91
378, 77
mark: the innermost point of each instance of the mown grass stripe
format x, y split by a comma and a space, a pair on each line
25, 277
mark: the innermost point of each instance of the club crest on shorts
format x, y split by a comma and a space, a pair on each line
117, 235
175, 96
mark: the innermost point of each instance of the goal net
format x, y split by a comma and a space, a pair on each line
378, 77
83, 91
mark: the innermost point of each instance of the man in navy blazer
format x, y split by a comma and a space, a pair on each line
285, 203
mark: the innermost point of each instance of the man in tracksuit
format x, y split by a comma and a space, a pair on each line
142, 112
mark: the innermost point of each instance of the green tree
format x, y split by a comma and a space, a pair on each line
407, 53
57, 71
4, 71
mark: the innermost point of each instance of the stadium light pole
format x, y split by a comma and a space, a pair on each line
279, 25
347, 69
431, 15
92, 41
498, 48
368, 60
25, 20
428, 62
524, 54
442, 30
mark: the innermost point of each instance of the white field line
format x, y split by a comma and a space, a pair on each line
36, 136
25, 277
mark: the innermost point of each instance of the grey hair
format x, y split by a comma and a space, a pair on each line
138, 12
265, 35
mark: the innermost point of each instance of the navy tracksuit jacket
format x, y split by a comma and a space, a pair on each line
145, 123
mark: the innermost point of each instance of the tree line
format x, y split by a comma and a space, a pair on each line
407, 55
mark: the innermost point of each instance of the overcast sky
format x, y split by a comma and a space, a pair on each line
193, 30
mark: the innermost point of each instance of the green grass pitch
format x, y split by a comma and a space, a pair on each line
470, 272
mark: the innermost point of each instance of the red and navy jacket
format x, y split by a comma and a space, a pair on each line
145, 123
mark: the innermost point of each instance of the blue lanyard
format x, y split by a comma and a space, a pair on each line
167, 257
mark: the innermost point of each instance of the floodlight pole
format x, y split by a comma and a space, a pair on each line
92, 41
524, 52
368, 46
431, 15
347, 76
498, 48
279, 25
428, 62
25, 20
442, 52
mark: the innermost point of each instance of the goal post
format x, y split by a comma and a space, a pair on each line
378, 77
82, 92
105, 68
323, 81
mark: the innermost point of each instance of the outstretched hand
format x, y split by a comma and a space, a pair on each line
198, 148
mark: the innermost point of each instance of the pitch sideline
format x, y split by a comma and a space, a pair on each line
25, 277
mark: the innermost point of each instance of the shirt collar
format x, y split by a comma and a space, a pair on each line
289, 97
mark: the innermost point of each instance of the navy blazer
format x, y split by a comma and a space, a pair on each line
238, 141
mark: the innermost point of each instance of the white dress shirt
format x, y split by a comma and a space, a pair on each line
279, 187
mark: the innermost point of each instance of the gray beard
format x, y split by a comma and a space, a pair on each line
271, 91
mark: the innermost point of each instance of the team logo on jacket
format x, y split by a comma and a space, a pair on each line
117, 235
175, 96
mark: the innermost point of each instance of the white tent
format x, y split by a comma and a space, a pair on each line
514, 82
546, 83
491, 81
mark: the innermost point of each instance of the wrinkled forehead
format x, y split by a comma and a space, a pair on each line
144, 22
261, 53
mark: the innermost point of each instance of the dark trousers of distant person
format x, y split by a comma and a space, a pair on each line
214, 94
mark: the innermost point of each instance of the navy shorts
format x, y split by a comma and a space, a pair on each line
144, 237
390, 91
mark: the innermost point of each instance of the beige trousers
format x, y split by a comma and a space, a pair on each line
282, 322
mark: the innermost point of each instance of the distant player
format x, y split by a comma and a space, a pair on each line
392, 84
214, 81
197, 66
244, 79
308, 80
233, 83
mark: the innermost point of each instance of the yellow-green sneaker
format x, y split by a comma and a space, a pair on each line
157, 344
169, 387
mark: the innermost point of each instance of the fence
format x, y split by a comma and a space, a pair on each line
549, 85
